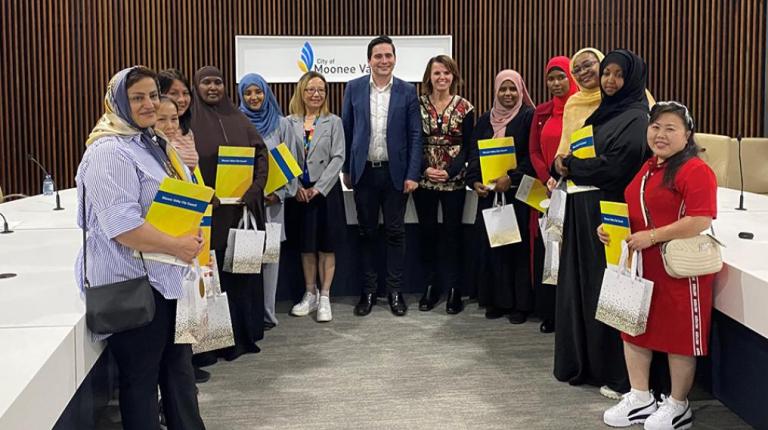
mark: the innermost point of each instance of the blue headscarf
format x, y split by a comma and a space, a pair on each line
267, 118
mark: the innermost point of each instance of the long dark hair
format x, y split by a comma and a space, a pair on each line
165, 79
690, 150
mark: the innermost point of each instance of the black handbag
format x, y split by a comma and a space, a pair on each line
120, 306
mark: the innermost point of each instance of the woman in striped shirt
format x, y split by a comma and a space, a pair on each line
120, 173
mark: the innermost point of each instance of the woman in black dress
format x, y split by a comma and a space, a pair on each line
216, 122
586, 350
502, 274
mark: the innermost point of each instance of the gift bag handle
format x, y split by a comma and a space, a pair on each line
248, 220
636, 267
244, 221
496, 199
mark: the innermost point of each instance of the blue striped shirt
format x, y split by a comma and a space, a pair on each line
121, 178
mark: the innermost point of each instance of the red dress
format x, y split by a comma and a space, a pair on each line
679, 318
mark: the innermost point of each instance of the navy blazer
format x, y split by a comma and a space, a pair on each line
403, 130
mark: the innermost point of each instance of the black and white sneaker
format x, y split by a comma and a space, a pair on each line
670, 416
630, 410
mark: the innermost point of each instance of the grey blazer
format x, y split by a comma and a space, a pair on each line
326, 154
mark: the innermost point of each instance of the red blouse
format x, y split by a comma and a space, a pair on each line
695, 187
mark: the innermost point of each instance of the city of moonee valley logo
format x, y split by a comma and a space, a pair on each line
307, 59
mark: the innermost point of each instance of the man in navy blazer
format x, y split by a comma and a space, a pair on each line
382, 127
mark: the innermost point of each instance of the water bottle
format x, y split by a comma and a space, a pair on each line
48, 186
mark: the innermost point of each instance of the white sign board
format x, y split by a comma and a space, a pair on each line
339, 59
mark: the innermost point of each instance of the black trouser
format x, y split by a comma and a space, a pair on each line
146, 356
375, 191
440, 244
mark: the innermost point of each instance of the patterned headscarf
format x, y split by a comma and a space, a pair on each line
117, 121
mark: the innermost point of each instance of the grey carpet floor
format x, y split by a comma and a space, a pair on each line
427, 370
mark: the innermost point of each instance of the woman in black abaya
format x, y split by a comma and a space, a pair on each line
586, 350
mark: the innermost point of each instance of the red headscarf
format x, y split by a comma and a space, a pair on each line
562, 63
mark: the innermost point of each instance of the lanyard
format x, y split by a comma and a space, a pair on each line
158, 151
308, 137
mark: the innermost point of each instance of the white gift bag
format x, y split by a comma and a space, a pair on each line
501, 223
556, 212
245, 246
191, 312
274, 232
551, 262
218, 328
625, 296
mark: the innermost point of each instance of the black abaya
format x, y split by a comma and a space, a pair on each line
586, 350
502, 274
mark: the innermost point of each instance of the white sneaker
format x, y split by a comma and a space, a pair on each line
605, 391
307, 304
324, 309
670, 416
630, 410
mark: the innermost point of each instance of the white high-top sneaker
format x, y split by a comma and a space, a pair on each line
324, 309
307, 304
630, 410
670, 416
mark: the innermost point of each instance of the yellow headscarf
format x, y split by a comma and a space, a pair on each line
579, 106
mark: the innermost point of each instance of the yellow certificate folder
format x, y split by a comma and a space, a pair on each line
583, 143
533, 193
234, 172
582, 146
615, 217
178, 207
283, 168
497, 157
205, 225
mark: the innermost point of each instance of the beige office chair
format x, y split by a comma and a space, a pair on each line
754, 160
716, 153
5, 198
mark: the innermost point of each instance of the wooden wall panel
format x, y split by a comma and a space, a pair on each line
57, 55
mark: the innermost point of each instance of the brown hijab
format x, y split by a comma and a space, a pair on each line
222, 124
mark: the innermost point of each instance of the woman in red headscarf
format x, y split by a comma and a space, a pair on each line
546, 129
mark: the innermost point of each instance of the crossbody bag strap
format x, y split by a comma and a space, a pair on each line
87, 283
85, 248
646, 213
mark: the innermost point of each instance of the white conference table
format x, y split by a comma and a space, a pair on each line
47, 351
36, 213
37, 374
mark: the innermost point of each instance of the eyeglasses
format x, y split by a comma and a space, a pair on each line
583, 67
310, 91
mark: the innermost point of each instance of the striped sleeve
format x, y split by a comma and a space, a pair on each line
113, 188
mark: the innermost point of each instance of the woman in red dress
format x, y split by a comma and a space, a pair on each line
680, 193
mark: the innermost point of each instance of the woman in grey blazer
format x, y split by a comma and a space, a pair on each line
319, 193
